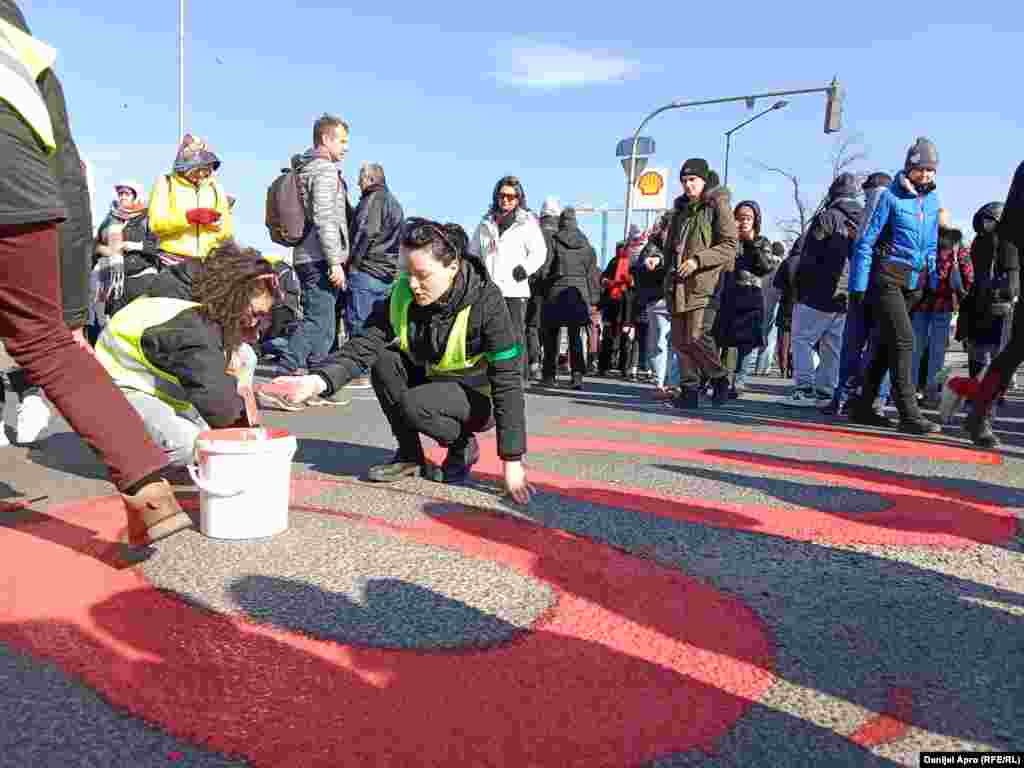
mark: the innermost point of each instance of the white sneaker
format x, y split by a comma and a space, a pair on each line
33, 418
802, 398
4, 442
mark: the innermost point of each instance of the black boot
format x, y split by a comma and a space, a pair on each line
462, 455
403, 464
862, 412
720, 388
979, 421
688, 399
919, 425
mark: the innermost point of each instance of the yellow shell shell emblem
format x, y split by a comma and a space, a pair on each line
650, 183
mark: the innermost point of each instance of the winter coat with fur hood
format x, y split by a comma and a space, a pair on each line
705, 231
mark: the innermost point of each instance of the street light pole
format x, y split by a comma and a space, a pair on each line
729, 133
181, 70
834, 91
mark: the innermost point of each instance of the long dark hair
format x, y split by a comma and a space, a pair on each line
508, 181
230, 277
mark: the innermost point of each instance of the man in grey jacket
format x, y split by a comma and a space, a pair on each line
320, 258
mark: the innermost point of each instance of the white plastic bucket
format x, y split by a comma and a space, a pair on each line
244, 479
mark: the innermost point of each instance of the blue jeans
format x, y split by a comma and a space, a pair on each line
858, 348
314, 337
931, 332
660, 355
363, 292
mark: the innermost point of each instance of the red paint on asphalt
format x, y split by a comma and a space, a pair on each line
634, 660
919, 514
890, 725
845, 440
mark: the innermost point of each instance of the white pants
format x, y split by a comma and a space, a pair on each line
811, 327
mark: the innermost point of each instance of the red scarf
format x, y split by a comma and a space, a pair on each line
621, 279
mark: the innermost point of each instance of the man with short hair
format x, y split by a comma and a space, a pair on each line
701, 241
320, 258
376, 232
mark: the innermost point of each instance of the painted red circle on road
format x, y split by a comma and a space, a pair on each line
634, 661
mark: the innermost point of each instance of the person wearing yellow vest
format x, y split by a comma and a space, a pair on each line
189, 212
171, 356
44, 302
444, 359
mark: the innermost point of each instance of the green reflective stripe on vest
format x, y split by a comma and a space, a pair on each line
454, 364
22, 60
506, 354
119, 350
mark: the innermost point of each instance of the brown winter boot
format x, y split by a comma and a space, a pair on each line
153, 514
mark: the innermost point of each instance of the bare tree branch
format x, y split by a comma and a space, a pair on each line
847, 152
801, 206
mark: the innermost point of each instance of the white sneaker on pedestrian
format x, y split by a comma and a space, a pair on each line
802, 398
4, 442
33, 418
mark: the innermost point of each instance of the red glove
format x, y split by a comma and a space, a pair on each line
202, 216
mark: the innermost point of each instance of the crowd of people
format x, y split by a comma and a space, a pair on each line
151, 329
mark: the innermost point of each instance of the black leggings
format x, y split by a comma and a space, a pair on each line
444, 410
895, 344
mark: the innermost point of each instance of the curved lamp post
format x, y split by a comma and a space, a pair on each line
833, 123
729, 133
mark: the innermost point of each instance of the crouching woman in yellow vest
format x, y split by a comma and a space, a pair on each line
444, 361
171, 357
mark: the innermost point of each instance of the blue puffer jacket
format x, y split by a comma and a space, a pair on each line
909, 221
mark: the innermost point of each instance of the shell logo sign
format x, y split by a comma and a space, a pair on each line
650, 183
651, 190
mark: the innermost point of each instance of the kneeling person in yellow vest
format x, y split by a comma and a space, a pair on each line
171, 357
444, 361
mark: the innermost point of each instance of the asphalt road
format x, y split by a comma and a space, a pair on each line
737, 586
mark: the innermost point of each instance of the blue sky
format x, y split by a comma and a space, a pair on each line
449, 100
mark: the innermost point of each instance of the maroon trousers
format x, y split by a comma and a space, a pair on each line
33, 330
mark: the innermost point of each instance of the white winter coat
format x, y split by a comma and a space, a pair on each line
522, 244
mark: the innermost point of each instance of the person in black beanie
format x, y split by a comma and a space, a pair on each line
700, 243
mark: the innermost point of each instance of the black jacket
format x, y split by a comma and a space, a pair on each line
490, 332
175, 282
740, 320
191, 348
377, 224
136, 230
996, 263
36, 188
822, 279
648, 284
570, 278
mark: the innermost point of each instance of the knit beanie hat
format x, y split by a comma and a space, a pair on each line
695, 166
949, 238
922, 154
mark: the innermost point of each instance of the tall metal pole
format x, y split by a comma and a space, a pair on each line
181, 70
728, 141
831, 89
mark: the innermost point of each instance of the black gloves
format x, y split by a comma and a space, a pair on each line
519, 273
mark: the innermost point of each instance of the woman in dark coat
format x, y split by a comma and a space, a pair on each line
570, 280
741, 310
986, 312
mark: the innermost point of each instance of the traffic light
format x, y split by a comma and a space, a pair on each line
834, 108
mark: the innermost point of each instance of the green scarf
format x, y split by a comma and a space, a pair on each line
696, 234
